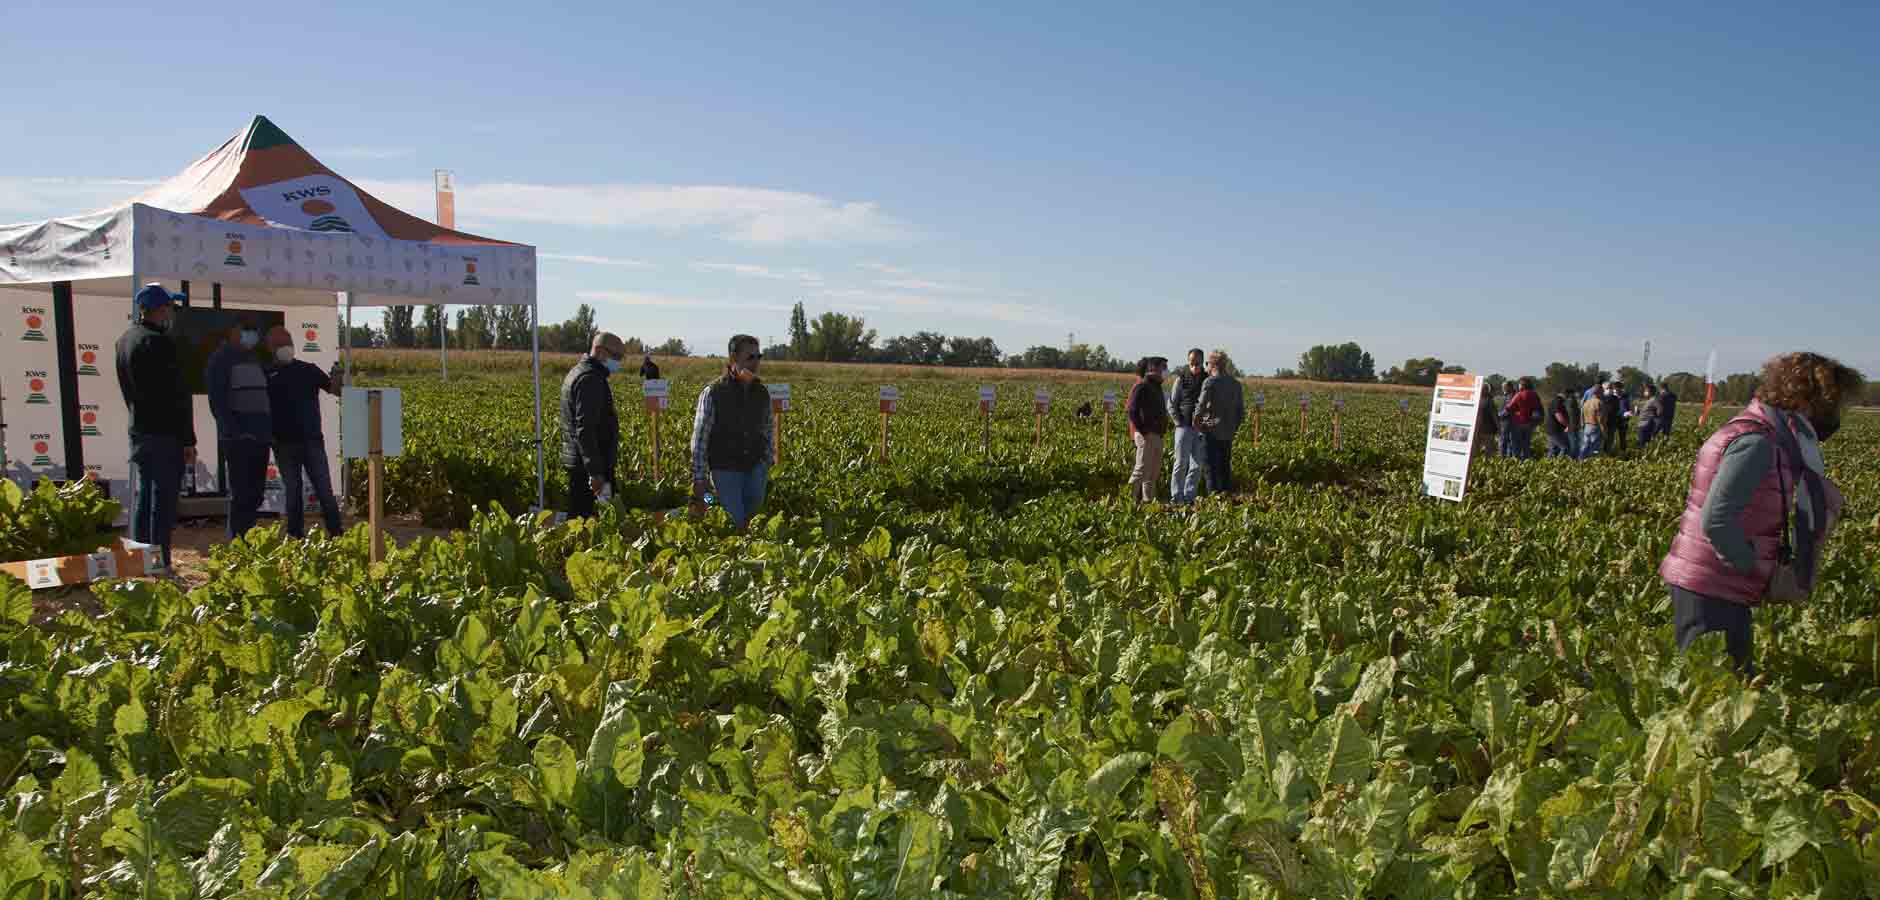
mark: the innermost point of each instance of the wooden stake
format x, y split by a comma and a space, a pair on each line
1037, 432
653, 434
776, 437
1256, 426
884, 436
1106, 430
985, 437
375, 470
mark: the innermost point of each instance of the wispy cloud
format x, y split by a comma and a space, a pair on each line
371, 152
585, 259
921, 284
742, 214
750, 270
884, 268
638, 298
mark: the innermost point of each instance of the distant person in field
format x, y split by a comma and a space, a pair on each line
1620, 420
294, 388
731, 435
1148, 422
1612, 407
244, 425
1760, 507
1218, 416
590, 427
1190, 445
163, 419
1524, 414
1648, 415
1667, 410
1575, 421
649, 370
1487, 423
1559, 425
1593, 413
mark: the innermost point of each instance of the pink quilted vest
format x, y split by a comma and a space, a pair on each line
1693, 563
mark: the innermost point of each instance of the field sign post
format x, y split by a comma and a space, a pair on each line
1403, 410
1305, 403
890, 399
1259, 403
657, 392
1040, 404
1338, 412
988, 398
1109, 407
382, 410
779, 404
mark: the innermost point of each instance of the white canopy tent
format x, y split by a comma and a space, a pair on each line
259, 217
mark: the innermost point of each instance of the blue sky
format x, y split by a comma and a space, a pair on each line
1497, 184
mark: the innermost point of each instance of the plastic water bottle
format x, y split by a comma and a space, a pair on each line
711, 499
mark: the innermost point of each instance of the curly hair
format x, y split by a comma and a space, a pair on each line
1808, 383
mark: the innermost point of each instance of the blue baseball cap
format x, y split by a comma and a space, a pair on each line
153, 296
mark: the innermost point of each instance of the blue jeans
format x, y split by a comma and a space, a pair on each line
310, 457
156, 479
1558, 445
1590, 439
1504, 441
1646, 431
245, 478
741, 493
1190, 459
1573, 443
1520, 441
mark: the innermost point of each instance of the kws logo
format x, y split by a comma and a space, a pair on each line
42, 448
88, 420
36, 389
88, 359
470, 270
234, 257
322, 215
35, 324
311, 331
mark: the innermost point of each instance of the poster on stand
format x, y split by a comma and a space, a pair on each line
1451, 439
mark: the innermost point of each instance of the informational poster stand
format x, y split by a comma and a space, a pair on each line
779, 404
382, 411
988, 398
657, 393
1451, 438
890, 397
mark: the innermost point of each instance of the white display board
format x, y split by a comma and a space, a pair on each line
1451, 438
657, 392
890, 399
35, 447
1041, 401
779, 397
392, 430
1109, 401
988, 398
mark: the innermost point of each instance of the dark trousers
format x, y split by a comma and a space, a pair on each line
1616, 438
156, 479
309, 457
580, 496
1220, 468
244, 477
1697, 615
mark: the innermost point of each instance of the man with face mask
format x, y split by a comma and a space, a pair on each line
731, 434
590, 429
163, 427
294, 388
244, 424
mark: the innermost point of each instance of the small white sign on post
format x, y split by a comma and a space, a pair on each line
355, 443
1109, 401
779, 397
1403, 405
1305, 401
890, 399
1338, 402
1041, 401
988, 398
657, 392
1259, 399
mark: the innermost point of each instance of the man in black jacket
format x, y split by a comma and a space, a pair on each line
590, 430
163, 427
649, 370
1148, 422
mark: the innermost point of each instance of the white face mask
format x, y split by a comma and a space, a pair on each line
284, 353
250, 339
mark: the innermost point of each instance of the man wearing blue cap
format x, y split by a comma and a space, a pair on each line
163, 428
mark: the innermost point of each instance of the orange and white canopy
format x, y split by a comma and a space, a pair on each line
260, 214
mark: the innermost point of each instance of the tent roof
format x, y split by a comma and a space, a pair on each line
261, 215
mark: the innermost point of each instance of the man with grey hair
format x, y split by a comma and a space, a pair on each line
1222, 408
590, 429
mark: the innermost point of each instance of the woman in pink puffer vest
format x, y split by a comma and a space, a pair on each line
1732, 535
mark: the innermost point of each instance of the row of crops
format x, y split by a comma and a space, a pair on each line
949, 676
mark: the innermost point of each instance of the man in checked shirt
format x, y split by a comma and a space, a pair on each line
731, 436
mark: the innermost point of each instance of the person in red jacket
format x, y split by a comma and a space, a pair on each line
1524, 412
1759, 501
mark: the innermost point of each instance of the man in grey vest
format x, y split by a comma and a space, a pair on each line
590, 428
244, 424
731, 436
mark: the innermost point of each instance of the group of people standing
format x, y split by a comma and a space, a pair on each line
1577, 424
1205, 410
264, 402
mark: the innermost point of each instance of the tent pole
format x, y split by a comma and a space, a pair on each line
535, 360
443, 333
345, 352
67, 376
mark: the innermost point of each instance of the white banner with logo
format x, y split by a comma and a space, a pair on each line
29, 382
103, 420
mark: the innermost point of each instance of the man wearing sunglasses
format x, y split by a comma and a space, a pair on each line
731, 436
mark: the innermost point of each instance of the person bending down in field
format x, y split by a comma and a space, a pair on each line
1148, 422
1760, 505
731, 436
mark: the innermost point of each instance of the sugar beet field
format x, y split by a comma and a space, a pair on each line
953, 676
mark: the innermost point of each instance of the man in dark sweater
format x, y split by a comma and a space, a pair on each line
244, 425
590, 428
163, 428
1190, 443
294, 388
1148, 422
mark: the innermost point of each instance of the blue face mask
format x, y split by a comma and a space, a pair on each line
613, 365
250, 339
